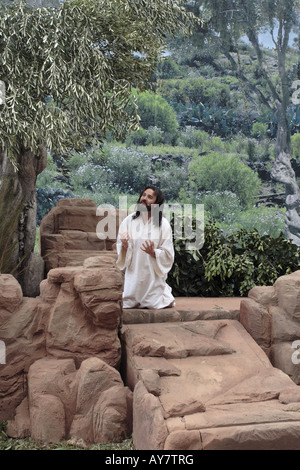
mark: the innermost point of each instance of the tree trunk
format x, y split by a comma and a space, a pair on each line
23, 187
283, 172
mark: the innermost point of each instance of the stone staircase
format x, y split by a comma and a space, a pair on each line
201, 382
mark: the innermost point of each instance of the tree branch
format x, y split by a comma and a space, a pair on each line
250, 85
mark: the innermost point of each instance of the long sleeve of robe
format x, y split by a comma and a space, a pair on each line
145, 276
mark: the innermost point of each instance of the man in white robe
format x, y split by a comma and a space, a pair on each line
146, 253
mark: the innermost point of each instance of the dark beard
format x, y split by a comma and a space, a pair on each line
142, 207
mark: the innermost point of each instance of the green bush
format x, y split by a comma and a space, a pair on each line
124, 170
127, 169
136, 138
167, 68
155, 135
196, 90
224, 172
154, 110
266, 220
295, 143
231, 265
259, 130
220, 205
171, 180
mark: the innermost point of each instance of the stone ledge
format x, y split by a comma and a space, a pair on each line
187, 309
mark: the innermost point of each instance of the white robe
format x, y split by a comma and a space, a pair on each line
145, 276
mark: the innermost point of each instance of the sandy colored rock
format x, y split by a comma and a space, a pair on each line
102, 404
80, 337
173, 406
19, 427
158, 364
183, 440
288, 293
173, 340
150, 379
287, 359
58, 323
107, 258
110, 416
290, 395
11, 294
230, 401
256, 319
275, 436
283, 326
148, 422
47, 417
264, 295
102, 313
94, 377
89, 404
49, 291
89, 279
76, 230
49, 376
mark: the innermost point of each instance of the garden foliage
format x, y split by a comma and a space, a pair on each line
231, 265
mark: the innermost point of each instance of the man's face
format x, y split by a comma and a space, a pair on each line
147, 198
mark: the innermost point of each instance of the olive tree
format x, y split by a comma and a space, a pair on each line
68, 73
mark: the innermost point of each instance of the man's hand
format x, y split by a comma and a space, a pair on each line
148, 247
124, 237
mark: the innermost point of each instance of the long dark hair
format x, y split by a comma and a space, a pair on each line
158, 205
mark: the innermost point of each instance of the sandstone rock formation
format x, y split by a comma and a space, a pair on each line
206, 384
89, 404
68, 233
56, 341
272, 316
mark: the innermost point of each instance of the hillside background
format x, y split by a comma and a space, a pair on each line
202, 140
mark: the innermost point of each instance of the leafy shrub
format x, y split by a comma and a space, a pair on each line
128, 169
224, 173
171, 180
136, 138
193, 138
231, 265
154, 110
259, 130
196, 90
167, 68
295, 143
266, 220
123, 170
220, 205
51, 177
154, 135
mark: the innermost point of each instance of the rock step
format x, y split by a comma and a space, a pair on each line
187, 309
201, 382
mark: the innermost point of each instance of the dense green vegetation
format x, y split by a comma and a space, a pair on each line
231, 265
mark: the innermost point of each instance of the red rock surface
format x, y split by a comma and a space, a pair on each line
219, 391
